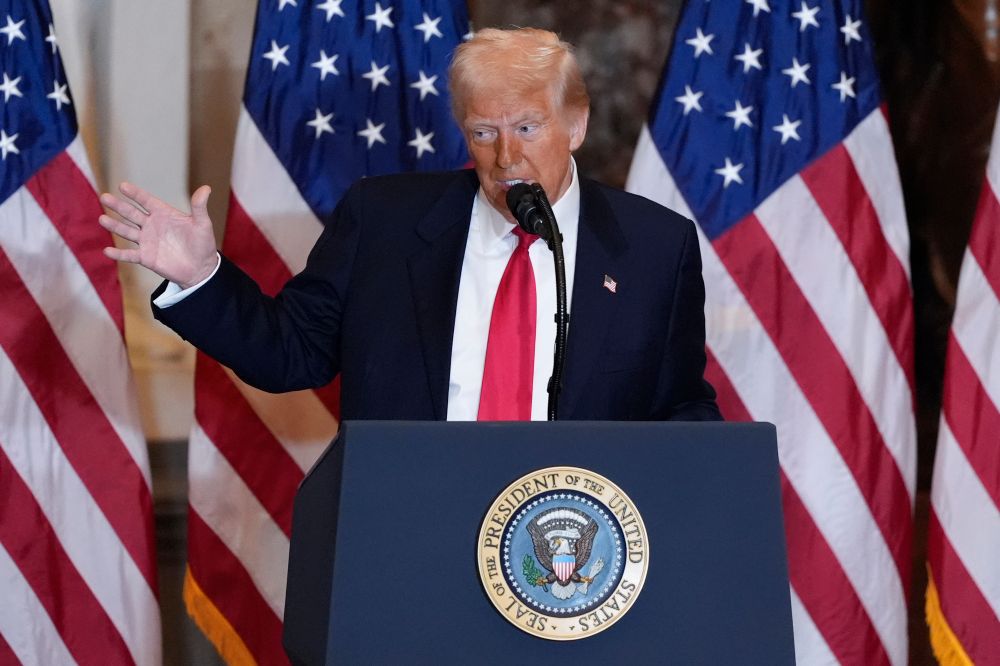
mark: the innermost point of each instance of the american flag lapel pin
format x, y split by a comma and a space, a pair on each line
610, 284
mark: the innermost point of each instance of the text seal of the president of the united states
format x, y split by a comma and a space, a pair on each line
563, 553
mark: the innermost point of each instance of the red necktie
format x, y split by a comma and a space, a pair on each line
510, 349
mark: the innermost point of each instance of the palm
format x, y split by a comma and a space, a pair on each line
176, 245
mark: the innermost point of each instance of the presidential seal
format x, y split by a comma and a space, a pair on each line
563, 553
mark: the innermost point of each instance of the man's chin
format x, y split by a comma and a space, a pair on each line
501, 207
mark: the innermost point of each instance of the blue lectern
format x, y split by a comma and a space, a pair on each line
383, 564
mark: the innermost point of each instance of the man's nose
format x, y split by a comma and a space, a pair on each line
508, 151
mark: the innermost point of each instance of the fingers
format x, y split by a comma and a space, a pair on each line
125, 209
200, 197
126, 231
130, 256
199, 201
141, 196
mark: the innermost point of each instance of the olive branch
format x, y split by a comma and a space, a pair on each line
532, 573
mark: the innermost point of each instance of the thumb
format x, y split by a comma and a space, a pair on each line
199, 202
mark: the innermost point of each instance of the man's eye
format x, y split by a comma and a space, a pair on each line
482, 135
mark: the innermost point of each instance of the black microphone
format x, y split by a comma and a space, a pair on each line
534, 214
523, 204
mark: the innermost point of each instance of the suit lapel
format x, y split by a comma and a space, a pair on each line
435, 270
600, 250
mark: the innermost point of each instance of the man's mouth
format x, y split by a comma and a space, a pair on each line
507, 184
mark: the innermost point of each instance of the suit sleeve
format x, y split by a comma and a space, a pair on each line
682, 393
284, 343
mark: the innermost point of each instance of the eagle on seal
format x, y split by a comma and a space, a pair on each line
562, 540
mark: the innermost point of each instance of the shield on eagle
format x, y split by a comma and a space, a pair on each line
563, 566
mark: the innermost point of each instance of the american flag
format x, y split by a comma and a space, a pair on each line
963, 552
77, 560
335, 90
768, 132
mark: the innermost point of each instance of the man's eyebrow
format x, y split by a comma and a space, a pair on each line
528, 116
525, 117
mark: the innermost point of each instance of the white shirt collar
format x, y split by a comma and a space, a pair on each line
495, 226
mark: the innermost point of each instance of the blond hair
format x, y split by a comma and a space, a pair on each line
523, 59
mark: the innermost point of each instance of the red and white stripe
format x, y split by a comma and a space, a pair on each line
964, 532
563, 568
809, 326
77, 558
249, 449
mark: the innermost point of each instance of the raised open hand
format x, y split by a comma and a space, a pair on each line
175, 245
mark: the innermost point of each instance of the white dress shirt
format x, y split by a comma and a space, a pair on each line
490, 244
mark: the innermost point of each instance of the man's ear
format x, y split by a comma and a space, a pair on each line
578, 128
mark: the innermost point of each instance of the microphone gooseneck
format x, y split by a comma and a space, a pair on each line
533, 213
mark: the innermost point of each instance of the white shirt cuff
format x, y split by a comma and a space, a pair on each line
174, 294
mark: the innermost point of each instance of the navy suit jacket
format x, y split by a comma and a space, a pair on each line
376, 302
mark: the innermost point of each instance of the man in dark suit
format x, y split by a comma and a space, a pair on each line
398, 292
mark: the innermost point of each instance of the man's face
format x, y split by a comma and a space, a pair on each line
516, 137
